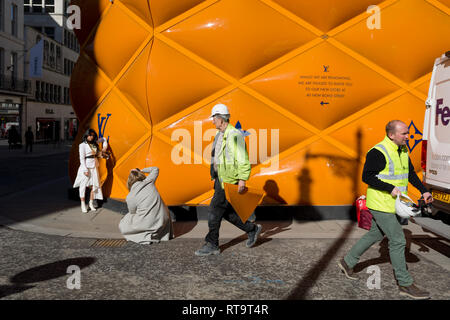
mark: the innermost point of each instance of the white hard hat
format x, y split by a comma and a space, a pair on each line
405, 207
219, 109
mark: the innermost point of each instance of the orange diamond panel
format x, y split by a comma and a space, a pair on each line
312, 85
251, 35
323, 85
336, 11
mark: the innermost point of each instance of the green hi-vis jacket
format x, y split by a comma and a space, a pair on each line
232, 160
395, 172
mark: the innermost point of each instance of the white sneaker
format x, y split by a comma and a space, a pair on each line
83, 207
91, 205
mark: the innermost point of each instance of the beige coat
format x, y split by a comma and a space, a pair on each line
148, 218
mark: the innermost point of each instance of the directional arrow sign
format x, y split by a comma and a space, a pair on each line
322, 103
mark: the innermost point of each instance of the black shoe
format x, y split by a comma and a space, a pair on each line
253, 236
207, 250
414, 292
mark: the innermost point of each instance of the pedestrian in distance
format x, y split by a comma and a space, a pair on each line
148, 219
29, 140
88, 174
387, 171
229, 164
13, 138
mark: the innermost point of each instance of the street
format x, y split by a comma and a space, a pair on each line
282, 265
35, 266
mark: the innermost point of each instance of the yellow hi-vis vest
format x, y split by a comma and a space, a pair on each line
395, 173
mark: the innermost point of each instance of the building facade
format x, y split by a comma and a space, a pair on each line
14, 88
49, 111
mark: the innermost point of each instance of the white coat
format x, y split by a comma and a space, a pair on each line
148, 219
89, 165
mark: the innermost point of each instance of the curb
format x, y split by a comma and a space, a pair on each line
20, 226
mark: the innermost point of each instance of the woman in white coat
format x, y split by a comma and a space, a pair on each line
148, 218
88, 175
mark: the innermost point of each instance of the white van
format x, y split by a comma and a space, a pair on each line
436, 138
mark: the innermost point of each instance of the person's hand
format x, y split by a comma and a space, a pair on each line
86, 173
395, 192
427, 197
241, 186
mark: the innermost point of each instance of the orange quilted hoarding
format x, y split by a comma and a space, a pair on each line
312, 83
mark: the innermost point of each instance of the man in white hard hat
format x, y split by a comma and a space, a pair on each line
229, 164
387, 171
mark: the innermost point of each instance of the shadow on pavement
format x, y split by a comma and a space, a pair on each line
9, 290
345, 167
51, 270
185, 220
384, 254
42, 273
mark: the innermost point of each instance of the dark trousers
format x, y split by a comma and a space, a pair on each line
221, 208
28, 145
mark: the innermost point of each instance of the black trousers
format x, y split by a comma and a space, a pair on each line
221, 208
28, 145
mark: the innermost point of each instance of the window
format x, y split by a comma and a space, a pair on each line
13, 64
42, 91
52, 55
50, 32
14, 20
46, 51
2, 61
47, 91
2, 15
49, 6
51, 93
37, 6
2, 65
38, 90
58, 57
27, 6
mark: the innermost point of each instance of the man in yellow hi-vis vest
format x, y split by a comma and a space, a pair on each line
387, 171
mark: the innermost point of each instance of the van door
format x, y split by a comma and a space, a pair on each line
438, 153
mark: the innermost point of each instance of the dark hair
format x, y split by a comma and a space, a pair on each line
91, 132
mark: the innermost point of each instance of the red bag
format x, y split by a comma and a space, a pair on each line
363, 214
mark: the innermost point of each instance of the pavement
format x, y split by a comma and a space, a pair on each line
38, 266
39, 150
44, 232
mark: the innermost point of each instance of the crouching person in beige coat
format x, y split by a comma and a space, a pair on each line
148, 218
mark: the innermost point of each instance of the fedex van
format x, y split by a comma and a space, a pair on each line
435, 157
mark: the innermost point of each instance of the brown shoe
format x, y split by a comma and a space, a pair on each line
347, 271
414, 292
